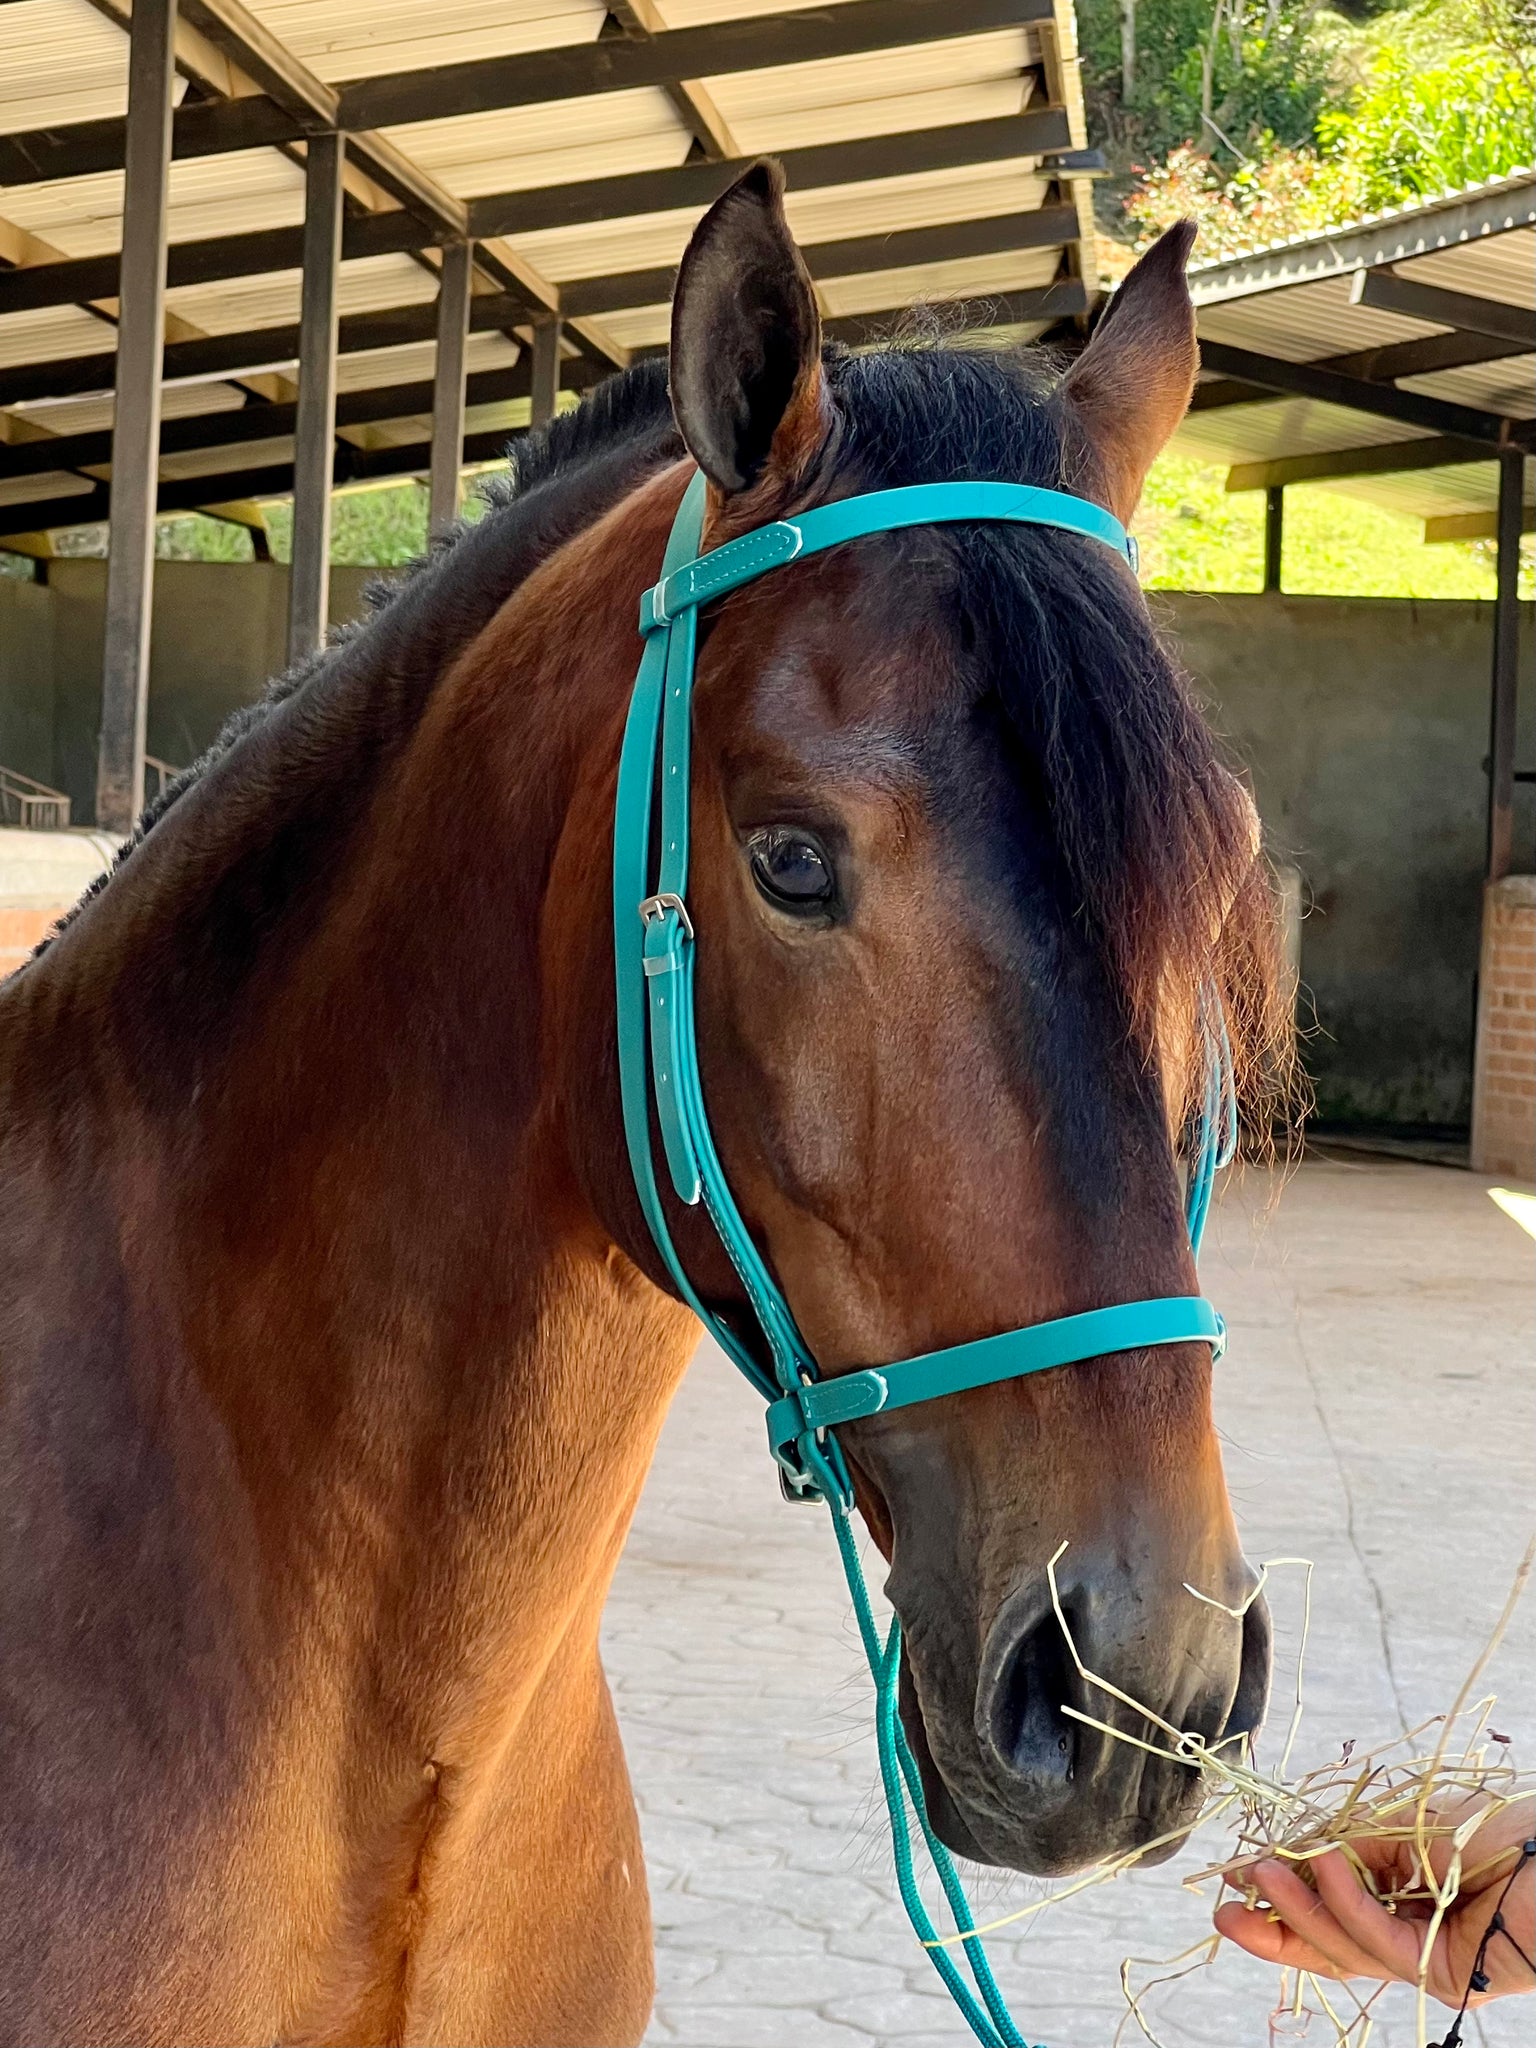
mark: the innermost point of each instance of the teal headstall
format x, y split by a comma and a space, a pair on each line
654, 944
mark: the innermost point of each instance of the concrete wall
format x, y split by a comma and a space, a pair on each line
1364, 721
218, 633
1365, 724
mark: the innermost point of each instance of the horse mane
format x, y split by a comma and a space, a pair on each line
1155, 827
1156, 831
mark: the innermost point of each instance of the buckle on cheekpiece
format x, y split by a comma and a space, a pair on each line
654, 910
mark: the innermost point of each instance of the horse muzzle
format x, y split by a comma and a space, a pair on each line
1035, 1771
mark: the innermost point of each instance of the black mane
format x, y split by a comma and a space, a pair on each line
1154, 832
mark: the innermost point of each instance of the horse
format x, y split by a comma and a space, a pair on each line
333, 1346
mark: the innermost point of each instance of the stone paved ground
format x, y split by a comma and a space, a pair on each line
1379, 1410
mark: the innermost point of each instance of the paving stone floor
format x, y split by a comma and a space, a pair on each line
1378, 1405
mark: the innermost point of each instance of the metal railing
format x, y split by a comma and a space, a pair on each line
31, 804
158, 775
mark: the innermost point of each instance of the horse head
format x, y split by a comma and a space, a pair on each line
965, 857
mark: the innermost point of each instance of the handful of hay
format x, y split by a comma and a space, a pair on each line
1405, 1791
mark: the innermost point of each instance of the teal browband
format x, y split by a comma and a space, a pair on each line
654, 943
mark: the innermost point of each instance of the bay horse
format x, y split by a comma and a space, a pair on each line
333, 1348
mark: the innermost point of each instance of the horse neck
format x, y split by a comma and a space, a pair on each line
365, 1285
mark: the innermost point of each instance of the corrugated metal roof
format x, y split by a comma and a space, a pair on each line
344, 39
1454, 282
64, 63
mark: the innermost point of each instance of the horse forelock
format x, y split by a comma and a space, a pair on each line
1156, 830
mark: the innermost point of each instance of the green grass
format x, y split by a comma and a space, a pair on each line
1194, 535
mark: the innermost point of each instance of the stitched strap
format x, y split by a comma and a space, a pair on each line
1128, 1326
769, 547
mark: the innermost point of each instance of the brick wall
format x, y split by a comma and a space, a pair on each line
41, 875
1504, 1082
20, 931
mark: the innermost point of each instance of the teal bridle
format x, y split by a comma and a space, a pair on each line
654, 948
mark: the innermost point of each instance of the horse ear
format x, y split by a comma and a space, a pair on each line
746, 341
1130, 386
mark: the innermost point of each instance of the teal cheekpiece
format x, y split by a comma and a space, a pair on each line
653, 937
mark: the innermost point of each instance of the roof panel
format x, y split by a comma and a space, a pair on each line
90, 414
209, 195
1305, 323
930, 198
372, 368
903, 114
1282, 426
53, 483
1507, 385
59, 61
233, 304
876, 75
56, 331
552, 144
217, 461
344, 39
1497, 267
878, 291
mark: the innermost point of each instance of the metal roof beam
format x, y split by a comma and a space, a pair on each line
1390, 458
616, 64
720, 48
1385, 401
227, 355
1385, 292
271, 480
267, 251
689, 188
1044, 227
1059, 301
263, 422
692, 186
642, 19
1423, 357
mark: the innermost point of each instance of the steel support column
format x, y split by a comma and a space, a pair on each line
546, 371
1274, 535
314, 441
136, 418
448, 387
1506, 670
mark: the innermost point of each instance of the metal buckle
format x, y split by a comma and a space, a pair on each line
654, 909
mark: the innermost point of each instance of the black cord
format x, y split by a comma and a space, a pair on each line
1478, 1979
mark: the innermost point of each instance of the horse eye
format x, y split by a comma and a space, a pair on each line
791, 870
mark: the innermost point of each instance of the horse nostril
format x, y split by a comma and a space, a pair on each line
1252, 1696
1030, 1734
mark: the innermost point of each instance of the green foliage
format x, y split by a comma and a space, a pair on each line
195, 537
383, 529
1281, 193
1307, 117
1412, 132
1221, 73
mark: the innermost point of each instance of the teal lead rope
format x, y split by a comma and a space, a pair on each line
1215, 1144
659, 1071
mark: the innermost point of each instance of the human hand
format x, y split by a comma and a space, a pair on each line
1340, 1930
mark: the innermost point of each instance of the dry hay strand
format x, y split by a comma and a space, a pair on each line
1401, 1791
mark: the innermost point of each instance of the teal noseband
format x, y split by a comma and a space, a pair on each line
654, 945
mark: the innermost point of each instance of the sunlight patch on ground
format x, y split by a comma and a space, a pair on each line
1521, 1208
